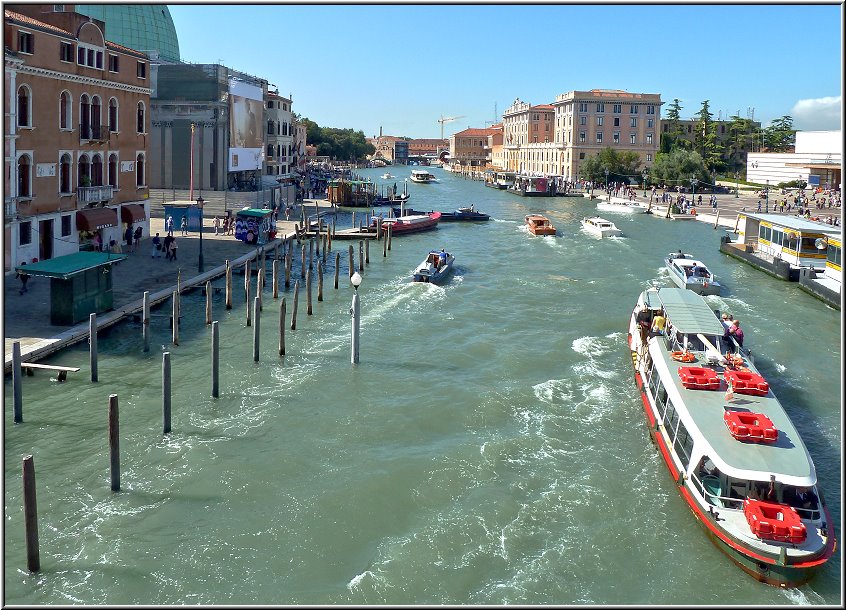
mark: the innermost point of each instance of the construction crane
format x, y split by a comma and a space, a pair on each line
448, 119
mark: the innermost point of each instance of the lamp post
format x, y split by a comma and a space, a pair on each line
693, 182
607, 188
645, 175
767, 197
355, 312
200, 203
736, 185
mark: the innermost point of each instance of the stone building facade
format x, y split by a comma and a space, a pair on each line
76, 127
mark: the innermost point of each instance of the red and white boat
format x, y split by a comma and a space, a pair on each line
734, 454
408, 224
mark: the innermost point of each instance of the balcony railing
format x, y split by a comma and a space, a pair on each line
93, 132
94, 194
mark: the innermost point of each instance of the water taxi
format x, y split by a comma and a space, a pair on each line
600, 227
736, 457
421, 176
531, 186
539, 225
629, 207
388, 176
688, 272
434, 268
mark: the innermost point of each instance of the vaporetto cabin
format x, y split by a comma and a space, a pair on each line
799, 242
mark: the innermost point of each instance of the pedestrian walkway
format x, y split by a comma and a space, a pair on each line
27, 315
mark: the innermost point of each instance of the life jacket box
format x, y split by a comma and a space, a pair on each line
772, 521
754, 427
746, 382
699, 378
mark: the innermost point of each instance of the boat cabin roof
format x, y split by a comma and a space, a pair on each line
687, 311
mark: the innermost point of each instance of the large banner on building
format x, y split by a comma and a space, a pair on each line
246, 117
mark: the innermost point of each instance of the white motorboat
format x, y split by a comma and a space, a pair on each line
421, 176
600, 227
626, 207
688, 272
434, 268
734, 454
388, 176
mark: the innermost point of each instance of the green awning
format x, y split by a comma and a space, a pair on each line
65, 266
253, 212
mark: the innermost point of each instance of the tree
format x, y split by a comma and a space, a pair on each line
780, 135
337, 143
705, 137
678, 167
621, 165
673, 136
741, 134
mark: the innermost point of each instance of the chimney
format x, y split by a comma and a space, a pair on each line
380, 131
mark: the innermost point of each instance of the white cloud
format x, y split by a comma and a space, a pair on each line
820, 114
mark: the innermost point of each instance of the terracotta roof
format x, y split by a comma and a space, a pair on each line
24, 19
473, 131
35, 23
542, 107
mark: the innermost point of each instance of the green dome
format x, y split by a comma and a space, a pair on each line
142, 27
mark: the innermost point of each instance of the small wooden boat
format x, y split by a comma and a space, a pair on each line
434, 268
408, 224
600, 227
539, 225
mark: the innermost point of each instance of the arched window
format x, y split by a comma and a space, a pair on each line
84, 171
65, 111
139, 169
96, 115
113, 115
113, 170
141, 118
64, 173
97, 171
270, 151
84, 117
270, 128
24, 176
24, 106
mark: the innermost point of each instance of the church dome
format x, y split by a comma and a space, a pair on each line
142, 27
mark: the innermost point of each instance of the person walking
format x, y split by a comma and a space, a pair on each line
184, 225
157, 247
169, 225
216, 224
166, 246
136, 237
24, 278
127, 237
173, 249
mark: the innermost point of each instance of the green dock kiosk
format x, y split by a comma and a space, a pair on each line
80, 284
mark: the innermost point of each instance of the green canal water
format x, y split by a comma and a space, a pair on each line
490, 447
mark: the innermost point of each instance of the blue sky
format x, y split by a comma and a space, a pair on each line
402, 67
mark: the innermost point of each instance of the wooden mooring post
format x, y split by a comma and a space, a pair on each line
275, 278
228, 285
260, 286
390, 235
166, 393
288, 263
717, 220
319, 281
337, 267
352, 262
175, 319
308, 293
17, 381
208, 302
256, 325
294, 308
114, 442
282, 327
302, 262
367, 251
145, 320
215, 355
30, 508
92, 343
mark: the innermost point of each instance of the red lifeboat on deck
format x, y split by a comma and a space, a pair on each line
746, 382
755, 427
699, 378
771, 521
